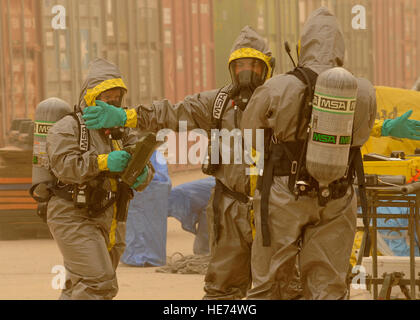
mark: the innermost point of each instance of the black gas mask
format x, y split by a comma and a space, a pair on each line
247, 75
116, 133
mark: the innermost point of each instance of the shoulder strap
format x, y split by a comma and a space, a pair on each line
305, 75
357, 162
219, 106
84, 142
308, 77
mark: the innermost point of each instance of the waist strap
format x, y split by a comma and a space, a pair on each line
285, 156
281, 161
91, 198
233, 194
64, 192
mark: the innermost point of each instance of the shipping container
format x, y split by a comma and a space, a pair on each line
355, 19
165, 49
172, 48
229, 18
397, 42
126, 33
188, 47
20, 62
382, 37
188, 55
279, 21
357, 32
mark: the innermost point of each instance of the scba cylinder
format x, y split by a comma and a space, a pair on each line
47, 113
331, 125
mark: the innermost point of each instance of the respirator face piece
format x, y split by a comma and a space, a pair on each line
114, 97
247, 74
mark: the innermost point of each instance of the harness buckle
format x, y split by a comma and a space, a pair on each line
294, 167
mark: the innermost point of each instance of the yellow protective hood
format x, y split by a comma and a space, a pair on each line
102, 76
250, 44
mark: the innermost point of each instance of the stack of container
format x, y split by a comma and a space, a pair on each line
20, 62
172, 48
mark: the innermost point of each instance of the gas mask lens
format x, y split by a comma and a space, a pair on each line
113, 97
115, 103
248, 71
247, 74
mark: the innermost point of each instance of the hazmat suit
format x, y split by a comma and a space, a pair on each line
91, 244
322, 237
229, 273
229, 214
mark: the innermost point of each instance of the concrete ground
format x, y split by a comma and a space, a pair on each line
27, 268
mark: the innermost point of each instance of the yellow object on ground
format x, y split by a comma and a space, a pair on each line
356, 247
407, 168
392, 103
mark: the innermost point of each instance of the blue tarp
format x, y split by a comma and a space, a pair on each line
397, 241
149, 210
187, 203
147, 220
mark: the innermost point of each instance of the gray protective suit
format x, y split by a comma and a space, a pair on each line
91, 247
229, 271
327, 233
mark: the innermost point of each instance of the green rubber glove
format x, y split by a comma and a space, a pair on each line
402, 127
104, 115
118, 160
141, 178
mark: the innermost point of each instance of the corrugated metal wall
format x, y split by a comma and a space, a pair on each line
188, 48
164, 48
45, 61
396, 42
359, 46
383, 51
171, 48
125, 32
20, 61
229, 18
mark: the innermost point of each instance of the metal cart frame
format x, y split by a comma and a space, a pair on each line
383, 196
